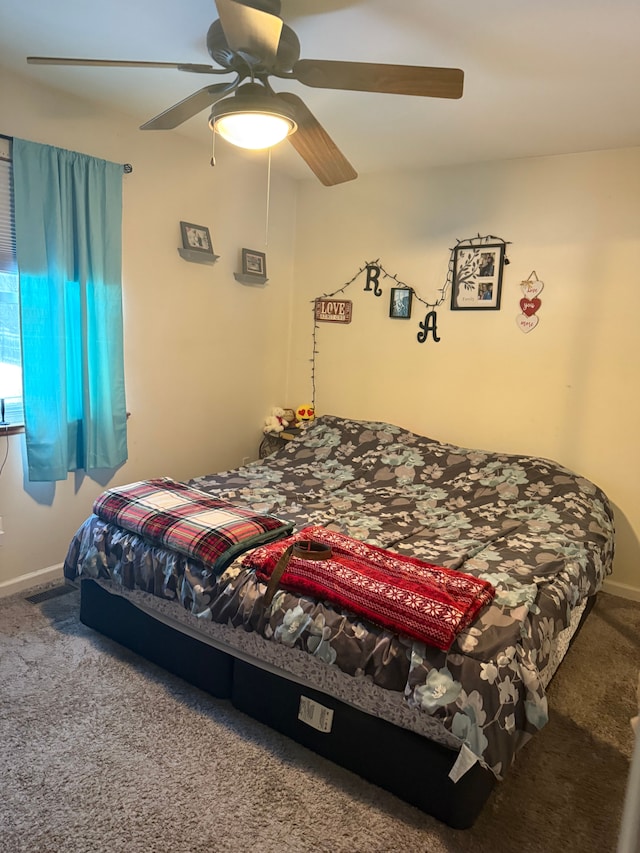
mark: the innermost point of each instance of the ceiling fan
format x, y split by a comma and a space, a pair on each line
251, 42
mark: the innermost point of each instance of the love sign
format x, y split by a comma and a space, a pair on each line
333, 310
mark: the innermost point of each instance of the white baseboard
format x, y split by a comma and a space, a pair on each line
51, 573
621, 589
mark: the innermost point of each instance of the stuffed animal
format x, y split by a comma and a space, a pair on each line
304, 415
276, 421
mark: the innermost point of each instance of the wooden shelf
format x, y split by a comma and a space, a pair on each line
255, 280
197, 257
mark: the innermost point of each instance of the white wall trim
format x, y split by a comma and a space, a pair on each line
51, 573
621, 589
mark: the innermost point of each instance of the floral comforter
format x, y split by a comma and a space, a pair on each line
540, 534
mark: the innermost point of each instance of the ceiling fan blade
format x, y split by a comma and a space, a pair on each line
388, 79
126, 63
248, 30
190, 106
316, 147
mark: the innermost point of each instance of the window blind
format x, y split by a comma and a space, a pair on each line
10, 356
7, 228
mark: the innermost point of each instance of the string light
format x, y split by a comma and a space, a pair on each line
442, 291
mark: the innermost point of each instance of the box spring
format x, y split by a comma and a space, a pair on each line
400, 761
198, 663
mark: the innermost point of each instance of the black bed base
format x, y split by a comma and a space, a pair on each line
400, 761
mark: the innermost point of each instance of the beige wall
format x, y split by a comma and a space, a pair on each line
205, 356
568, 390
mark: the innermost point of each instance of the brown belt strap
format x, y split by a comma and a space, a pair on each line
305, 549
310, 550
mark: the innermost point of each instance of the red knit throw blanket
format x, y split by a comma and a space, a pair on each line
426, 602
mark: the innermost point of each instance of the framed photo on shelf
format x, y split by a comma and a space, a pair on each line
400, 303
477, 277
254, 263
196, 238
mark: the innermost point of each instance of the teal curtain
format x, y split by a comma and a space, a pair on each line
68, 215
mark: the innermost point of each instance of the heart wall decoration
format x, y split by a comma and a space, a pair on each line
530, 303
531, 289
530, 306
526, 324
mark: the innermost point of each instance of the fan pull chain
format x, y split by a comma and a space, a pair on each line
213, 147
266, 229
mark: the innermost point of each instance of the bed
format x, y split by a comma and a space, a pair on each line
437, 726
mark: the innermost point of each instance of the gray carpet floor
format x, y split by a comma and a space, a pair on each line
102, 751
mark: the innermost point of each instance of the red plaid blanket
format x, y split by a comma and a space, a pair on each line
183, 519
426, 602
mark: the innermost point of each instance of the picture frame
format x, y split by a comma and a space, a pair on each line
196, 238
400, 303
254, 263
477, 277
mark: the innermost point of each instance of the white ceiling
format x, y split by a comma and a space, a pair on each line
541, 76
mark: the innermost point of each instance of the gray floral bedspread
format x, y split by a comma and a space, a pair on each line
542, 535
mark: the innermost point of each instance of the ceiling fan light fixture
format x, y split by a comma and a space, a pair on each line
253, 119
253, 130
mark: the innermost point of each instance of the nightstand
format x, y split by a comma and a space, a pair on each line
273, 441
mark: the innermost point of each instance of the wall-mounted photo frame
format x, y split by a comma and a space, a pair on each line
254, 263
196, 238
400, 303
477, 277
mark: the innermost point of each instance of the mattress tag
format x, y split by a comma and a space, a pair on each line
464, 762
315, 715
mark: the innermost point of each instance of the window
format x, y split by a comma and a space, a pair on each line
10, 356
